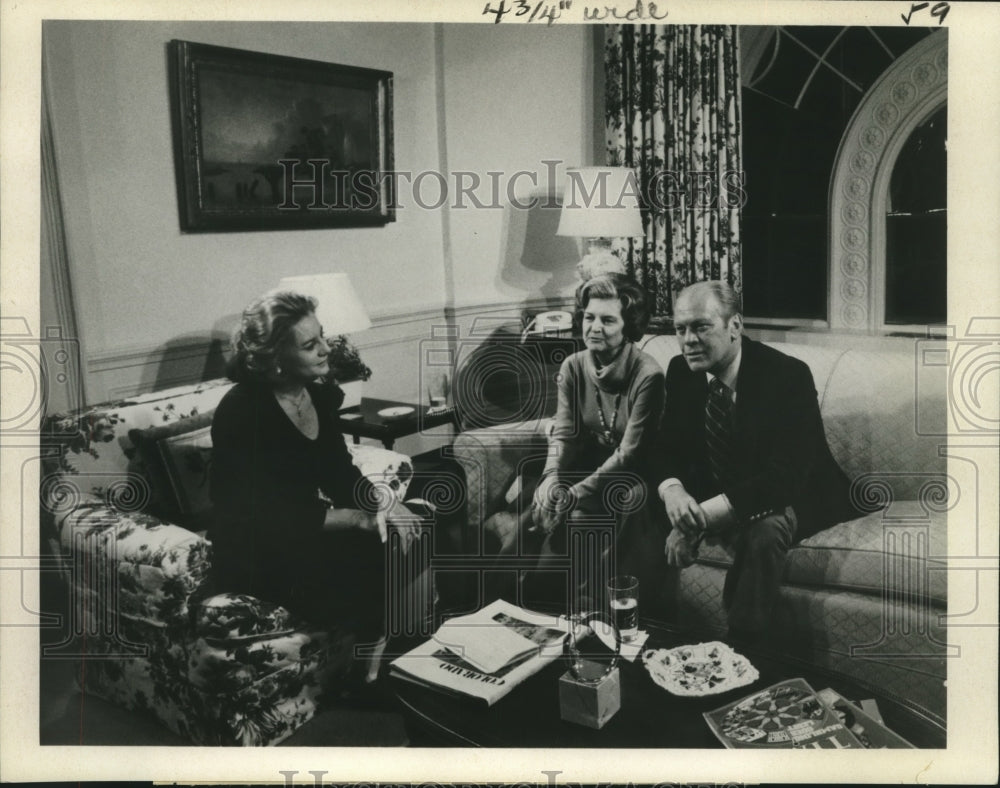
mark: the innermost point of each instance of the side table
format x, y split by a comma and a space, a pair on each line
363, 421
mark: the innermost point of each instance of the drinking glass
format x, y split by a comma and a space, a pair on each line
623, 597
592, 647
437, 391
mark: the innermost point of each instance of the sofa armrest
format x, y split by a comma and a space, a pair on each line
383, 467
130, 564
492, 458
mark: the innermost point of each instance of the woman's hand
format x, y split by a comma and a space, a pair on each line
337, 519
545, 520
551, 504
405, 523
544, 497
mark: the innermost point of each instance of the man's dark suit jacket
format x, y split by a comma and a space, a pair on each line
782, 455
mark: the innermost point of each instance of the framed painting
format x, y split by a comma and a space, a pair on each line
267, 142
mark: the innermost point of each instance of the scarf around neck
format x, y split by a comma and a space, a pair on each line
612, 377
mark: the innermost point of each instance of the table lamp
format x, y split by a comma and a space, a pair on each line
339, 310
600, 204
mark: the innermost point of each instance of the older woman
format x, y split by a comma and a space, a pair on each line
608, 413
295, 521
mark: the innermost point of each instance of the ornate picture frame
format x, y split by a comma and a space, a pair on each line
268, 142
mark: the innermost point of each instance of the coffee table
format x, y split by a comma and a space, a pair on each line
649, 717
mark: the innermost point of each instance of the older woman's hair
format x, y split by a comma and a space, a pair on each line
264, 326
628, 293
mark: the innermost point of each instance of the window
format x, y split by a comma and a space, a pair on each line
802, 87
916, 238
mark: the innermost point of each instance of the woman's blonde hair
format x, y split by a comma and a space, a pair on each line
264, 327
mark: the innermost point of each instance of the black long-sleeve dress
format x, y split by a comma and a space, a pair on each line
268, 538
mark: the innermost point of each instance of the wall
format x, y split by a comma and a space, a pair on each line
155, 306
526, 112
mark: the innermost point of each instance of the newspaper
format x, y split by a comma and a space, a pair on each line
525, 643
788, 714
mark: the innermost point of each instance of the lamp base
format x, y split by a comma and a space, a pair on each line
599, 261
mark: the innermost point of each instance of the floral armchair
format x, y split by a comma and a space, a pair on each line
124, 495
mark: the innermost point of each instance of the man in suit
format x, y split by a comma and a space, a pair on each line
744, 456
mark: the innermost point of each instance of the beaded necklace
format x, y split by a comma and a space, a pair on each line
608, 432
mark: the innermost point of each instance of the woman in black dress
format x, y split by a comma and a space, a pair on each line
295, 521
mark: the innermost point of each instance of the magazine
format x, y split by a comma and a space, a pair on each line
458, 659
788, 714
870, 732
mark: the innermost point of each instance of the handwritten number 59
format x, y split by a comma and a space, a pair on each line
939, 11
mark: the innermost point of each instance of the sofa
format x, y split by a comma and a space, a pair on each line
124, 504
865, 598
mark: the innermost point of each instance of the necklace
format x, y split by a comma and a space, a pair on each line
608, 432
296, 402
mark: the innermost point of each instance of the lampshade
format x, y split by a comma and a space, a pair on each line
600, 202
338, 308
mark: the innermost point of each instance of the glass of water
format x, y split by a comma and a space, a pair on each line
592, 647
623, 597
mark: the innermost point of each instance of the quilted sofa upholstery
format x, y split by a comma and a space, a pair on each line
867, 597
144, 624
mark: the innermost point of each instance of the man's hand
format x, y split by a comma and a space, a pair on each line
677, 550
683, 511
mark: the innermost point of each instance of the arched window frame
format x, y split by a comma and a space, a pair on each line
910, 91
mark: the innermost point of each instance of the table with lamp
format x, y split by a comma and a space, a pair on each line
340, 312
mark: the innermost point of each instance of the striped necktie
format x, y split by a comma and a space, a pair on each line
719, 433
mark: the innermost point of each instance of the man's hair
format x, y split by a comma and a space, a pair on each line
729, 300
629, 294
264, 327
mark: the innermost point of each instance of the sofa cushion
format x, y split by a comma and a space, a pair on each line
177, 457
229, 665
899, 557
231, 617
883, 413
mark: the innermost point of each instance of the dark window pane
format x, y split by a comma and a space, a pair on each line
784, 79
920, 173
916, 270
816, 38
828, 97
784, 266
916, 267
860, 57
899, 39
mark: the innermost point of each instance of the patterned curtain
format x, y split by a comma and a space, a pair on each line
673, 114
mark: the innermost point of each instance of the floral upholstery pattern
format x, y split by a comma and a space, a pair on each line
240, 616
216, 668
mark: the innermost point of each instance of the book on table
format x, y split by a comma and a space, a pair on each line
484, 655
